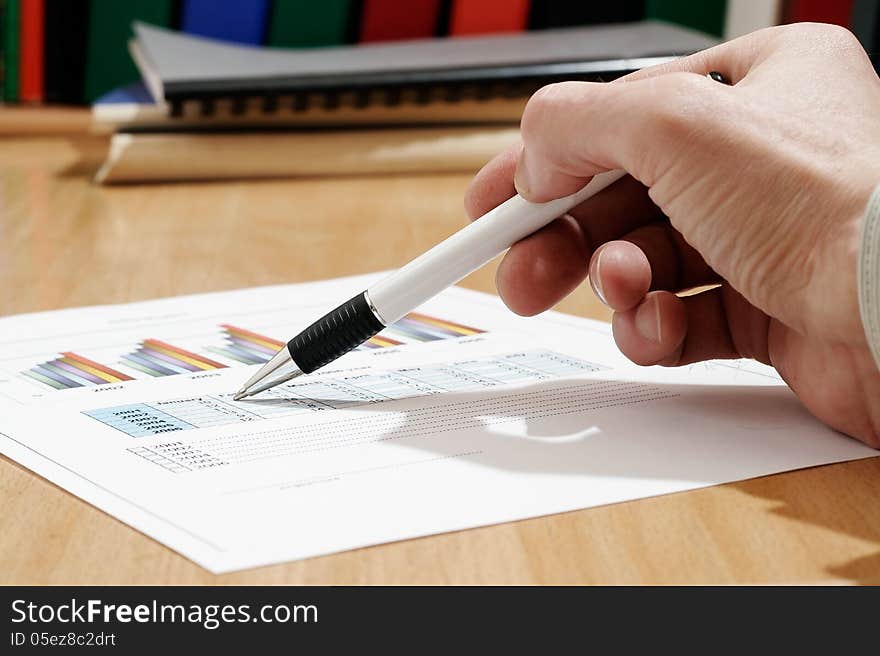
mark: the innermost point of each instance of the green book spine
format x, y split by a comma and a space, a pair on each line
108, 64
12, 24
706, 16
2, 47
306, 23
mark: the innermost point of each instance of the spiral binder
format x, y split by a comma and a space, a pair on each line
198, 76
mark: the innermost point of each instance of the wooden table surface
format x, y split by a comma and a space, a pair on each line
65, 242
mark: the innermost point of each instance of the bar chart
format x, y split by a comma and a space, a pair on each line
246, 346
236, 346
72, 370
156, 358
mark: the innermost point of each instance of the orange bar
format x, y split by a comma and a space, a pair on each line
95, 365
185, 353
442, 323
379, 340
262, 339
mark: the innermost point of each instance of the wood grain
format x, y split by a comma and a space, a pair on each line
65, 242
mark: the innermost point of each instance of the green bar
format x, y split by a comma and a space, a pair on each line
11, 50
307, 23
706, 16
108, 64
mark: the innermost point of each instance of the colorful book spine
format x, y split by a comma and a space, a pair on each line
307, 24
488, 16
706, 16
565, 13
108, 64
838, 12
11, 27
393, 20
242, 21
64, 54
31, 49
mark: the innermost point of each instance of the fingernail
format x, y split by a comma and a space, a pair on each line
648, 319
596, 276
522, 177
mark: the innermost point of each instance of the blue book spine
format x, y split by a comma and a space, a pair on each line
242, 21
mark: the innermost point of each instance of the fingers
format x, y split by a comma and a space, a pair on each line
667, 330
671, 263
573, 130
616, 210
541, 270
620, 275
493, 184
544, 268
654, 256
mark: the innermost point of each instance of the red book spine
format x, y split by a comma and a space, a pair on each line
488, 16
392, 20
838, 12
31, 48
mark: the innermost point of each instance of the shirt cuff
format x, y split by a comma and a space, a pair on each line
869, 275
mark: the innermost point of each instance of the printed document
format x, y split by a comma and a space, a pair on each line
462, 414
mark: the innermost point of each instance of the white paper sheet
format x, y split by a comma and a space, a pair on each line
437, 427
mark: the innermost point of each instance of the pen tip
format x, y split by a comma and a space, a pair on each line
238, 396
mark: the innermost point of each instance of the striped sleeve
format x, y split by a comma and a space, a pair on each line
869, 275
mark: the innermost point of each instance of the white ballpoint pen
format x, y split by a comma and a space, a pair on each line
359, 319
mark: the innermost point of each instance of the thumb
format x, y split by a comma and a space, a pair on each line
573, 130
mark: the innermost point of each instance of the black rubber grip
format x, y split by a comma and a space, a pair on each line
334, 334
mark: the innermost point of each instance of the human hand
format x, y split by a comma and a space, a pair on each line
759, 188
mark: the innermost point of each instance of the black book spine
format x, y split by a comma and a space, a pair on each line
545, 14
492, 80
64, 55
866, 26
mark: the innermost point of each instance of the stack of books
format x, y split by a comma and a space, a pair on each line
210, 109
74, 51
201, 89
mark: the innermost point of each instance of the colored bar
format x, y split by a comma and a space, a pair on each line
85, 375
382, 341
114, 375
72, 373
45, 370
268, 342
413, 331
142, 368
252, 347
146, 365
52, 375
44, 379
240, 355
198, 360
456, 328
177, 365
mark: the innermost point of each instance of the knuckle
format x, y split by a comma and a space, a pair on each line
821, 35
681, 104
545, 104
